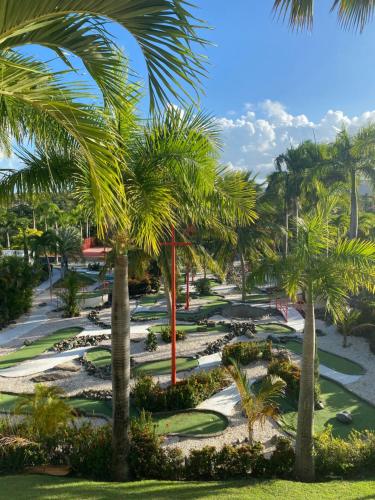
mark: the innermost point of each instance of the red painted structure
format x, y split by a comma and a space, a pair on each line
173, 244
92, 252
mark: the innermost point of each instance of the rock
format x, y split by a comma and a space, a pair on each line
345, 417
70, 366
27, 342
50, 377
319, 405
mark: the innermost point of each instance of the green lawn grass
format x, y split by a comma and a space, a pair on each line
190, 423
99, 357
84, 280
94, 293
205, 311
143, 315
38, 347
164, 366
330, 360
191, 328
47, 488
273, 328
335, 399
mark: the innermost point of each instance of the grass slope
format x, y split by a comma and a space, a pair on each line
37, 347
330, 360
99, 357
191, 328
273, 328
190, 423
84, 280
44, 487
335, 399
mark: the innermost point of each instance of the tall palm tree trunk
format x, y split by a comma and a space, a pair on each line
286, 250
120, 369
304, 468
353, 230
243, 277
49, 275
168, 296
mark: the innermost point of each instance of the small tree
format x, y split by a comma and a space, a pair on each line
45, 411
260, 405
69, 295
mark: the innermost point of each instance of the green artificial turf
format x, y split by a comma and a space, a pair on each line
273, 328
48, 488
330, 360
144, 315
38, 347
191, 328
8, 402
164, 366
190, 423
335, 399
94, 293
205, 311
84, 280
99, 357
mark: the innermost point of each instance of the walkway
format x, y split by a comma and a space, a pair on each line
224, 401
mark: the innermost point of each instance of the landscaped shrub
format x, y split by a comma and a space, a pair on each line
17, 281
336, 456
151, 342
17, 452
247, 352
70, 287
291, 374
139, 287
281, 462
188, 393
229, 462
203, 286
148, 460
166, 334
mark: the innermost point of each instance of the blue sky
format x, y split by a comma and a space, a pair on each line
270, 87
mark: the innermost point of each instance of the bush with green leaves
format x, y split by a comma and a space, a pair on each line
246, 352
18, 452
151, 342
139, 287
17, 280
203, 286
69, 294
188, 393
337, 456
166, 334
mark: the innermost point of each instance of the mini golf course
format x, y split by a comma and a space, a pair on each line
330, 360
84, 280
38, 347
335, 399
191, 329
190, 423
99, 357
148, 315
163, 367
277, 328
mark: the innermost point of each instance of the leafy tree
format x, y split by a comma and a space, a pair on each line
43, 244
260, 404
324, 268
68, 245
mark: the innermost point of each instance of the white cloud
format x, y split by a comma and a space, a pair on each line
254, 138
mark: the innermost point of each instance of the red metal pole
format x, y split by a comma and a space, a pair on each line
173, 313
187, 304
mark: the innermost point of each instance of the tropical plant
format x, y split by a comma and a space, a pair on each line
44, 411
324, 268
347, 323
260, 404
352, 14
43, 244
69, 294
68, 246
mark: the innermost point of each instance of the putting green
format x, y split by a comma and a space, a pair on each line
84, 280
335, 399
144, 315
38, 347
273, 328
205, 311
99, 357
191, 328
164, 366
190, 423
330, 360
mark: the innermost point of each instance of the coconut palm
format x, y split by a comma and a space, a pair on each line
260, 404
44, 244
324, 268
348, 323
352, 14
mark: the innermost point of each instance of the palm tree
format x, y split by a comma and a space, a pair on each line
260, 404
352, 14
45, 411
353, 157
347, 323
324, 268
43, 244
68, 245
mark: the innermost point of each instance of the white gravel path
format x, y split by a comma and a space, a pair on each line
224, 401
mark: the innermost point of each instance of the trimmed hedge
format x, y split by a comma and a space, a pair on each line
247, 352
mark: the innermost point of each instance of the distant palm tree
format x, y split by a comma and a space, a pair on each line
45, 244
352, 14
324, 268
260, 404
68, 245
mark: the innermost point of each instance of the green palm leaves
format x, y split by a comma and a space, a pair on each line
352, 14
